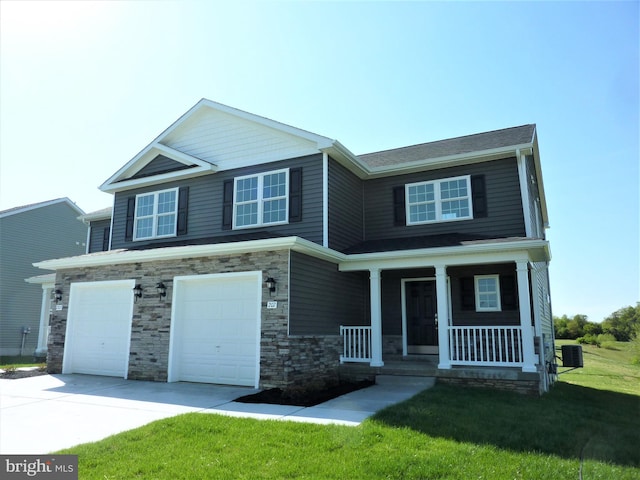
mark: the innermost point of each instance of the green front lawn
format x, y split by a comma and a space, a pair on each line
605, 368
442, 433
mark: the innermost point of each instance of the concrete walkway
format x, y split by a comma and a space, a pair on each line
42, 414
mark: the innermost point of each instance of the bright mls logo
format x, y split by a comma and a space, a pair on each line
59, 467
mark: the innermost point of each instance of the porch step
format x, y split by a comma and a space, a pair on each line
405, 380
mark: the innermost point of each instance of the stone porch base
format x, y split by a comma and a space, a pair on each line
508, 379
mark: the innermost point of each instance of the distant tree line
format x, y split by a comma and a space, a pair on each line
622, 325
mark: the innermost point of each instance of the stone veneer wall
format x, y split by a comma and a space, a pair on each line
391, 345
284, 360
526, 387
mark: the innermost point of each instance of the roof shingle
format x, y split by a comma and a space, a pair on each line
453, 146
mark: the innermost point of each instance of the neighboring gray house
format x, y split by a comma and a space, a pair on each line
29, 234
245, 251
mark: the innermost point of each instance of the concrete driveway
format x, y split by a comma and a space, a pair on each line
42, 414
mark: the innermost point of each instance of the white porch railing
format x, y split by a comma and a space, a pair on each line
491, 346
486, 346
356, 344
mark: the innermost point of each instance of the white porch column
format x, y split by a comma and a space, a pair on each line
376, 318
442, 302
45, 309
524, 300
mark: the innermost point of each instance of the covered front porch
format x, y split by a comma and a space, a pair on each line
486, 346
465, 316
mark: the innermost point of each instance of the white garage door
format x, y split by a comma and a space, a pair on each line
215, 331
98, 328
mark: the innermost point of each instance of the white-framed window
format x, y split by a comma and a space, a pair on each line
261, 199
442, 200
487, 293
156, 214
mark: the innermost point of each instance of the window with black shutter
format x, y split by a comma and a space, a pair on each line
399, 209
467, 293
479, 196
263, 199
295, 195
106, 233
183, 206
131, 218
508, 292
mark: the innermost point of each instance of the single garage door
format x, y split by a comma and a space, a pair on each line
215, 332
98, 328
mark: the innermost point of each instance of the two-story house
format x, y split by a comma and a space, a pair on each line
31, 233
245, 251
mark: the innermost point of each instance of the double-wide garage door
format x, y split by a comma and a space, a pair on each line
215, 329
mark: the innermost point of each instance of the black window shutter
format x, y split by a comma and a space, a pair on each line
479, 196
467, 293
106, 233
508, 292
183, 208
295, 194
227, 205
131, 211
399, 209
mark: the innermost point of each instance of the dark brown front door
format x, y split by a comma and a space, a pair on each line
421, 312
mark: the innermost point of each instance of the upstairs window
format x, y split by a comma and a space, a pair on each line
261, 199
156, 214
438, 201
487, 293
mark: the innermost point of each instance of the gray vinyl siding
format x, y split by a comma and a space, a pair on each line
504, 204
471, 317
160, 164
205, 205
44, 233
96, 235
537, 229
322, 298
541, 295
346, 203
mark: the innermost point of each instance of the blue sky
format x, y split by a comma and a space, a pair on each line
85, 86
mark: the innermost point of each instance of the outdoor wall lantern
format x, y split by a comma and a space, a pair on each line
271, 284
57, 295
137, 292
162, 290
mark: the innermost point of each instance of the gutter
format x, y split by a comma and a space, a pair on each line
346, 262
122, 256
458, 255
449, 160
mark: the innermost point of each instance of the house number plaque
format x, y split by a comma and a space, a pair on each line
272, 304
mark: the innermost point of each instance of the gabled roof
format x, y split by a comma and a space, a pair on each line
512, 138
33, 206
122, 179
460, 150
198, 164
213, 137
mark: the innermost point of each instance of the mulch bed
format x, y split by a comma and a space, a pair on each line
21, 374
305, 396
